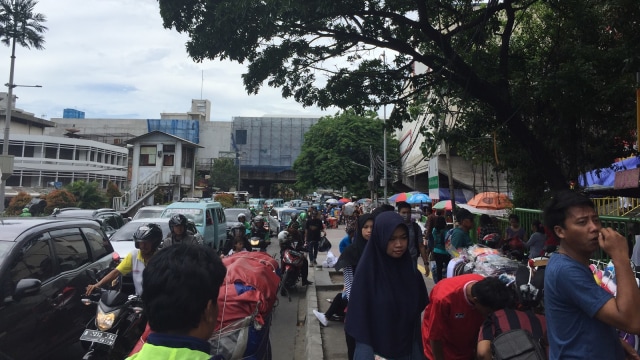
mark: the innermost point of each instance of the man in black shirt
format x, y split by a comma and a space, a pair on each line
314, 232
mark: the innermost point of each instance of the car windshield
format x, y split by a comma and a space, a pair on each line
195, 215
148, 213
232, 214
126, 232
254, 202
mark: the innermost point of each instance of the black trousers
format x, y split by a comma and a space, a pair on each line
337, 306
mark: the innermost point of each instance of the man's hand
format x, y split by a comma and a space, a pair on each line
614, 244
90, 289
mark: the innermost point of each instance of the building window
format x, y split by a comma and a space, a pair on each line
168, 148
168, 160
148, 155
241, 137
187, 157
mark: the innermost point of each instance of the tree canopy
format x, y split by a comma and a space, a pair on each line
224, 174
336, 152
87, 194
551, 81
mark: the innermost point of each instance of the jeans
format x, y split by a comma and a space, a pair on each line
441, 266
313, 250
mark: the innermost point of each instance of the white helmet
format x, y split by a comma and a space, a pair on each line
241, 215
282, 236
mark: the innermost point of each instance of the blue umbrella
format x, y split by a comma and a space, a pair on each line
419, 199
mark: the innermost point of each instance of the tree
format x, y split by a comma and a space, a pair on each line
59, 199
335, 152
18, 202
224, 174
18, 24
112, 191
87, 194
226, 200
514, 66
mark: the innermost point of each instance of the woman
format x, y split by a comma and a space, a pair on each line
440, 254
348, 261
488, 227
537, 239
387, 296
514, 230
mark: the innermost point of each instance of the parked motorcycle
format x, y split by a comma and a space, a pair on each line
118, 323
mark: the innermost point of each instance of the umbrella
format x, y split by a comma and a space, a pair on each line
491, 200
443, 205
419, 198
365, 200
399, 197
344, 200
331, 201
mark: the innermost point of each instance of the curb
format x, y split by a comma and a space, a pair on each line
313, 349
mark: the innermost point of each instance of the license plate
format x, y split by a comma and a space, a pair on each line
99, 337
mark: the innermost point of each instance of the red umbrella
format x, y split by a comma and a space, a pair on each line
400, 197
443, 205
344, 200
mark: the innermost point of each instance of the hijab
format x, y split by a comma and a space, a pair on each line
387, 294
353, 252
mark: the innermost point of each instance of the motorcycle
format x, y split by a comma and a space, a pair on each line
118, 323
292, 262
258, 244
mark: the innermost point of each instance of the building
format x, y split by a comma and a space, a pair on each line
72, 114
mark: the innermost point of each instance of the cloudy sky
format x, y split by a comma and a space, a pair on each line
114, 59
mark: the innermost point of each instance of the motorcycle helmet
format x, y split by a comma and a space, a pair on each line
258, 219
242, 217
178, 219
303, 216
149, 232
282, 236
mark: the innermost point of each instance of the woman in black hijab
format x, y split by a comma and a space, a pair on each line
387, 296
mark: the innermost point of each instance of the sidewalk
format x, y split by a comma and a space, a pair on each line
323, 343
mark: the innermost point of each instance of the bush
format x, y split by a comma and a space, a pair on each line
59, 199
226, 200
18, 203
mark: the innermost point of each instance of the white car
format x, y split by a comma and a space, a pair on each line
149, 212
122, 240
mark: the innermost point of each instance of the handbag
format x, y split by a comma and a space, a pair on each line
324, 245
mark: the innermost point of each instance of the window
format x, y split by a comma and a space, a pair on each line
221, 217
99, 247
168, 148
35, 261
69, 248
167, 160
241, 137
148, 155
187, 157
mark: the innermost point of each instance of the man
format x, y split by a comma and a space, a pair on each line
181, 286
507, 319
313, 233
416, 246
457, 308
292, 239
179, 233
571, 293
147, 240
242, 218
430, 225
460, 236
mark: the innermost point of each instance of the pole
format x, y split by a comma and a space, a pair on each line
384, 142
238, 157
7, 121
638, 111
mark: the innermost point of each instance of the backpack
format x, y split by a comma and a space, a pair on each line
517, 344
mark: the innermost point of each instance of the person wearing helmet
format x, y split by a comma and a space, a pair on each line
243, 219
179, 233
147, 240
258, 230
292, 239
25, 212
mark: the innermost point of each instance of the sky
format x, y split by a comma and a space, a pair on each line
114, 59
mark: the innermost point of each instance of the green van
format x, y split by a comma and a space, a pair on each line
207, 215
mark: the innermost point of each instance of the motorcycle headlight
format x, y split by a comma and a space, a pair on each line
104, 321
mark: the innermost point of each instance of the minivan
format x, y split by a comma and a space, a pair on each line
207, 215
256, 203
276, 203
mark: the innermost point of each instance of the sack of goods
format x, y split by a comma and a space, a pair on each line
349, 208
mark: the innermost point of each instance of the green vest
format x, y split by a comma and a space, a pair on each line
154, 352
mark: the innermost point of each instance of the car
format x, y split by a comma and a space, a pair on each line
110, 219
232, 214
122, 240
149, 212
285, 215
45, 266
208, 217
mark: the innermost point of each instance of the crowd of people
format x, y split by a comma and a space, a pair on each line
389, 314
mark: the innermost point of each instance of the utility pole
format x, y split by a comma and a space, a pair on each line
384, 140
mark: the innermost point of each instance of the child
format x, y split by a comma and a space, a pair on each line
237, 246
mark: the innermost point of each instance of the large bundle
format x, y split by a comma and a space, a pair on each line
250, 287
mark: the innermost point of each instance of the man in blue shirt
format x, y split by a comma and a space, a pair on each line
582, 317
460, 236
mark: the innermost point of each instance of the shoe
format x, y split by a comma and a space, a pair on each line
305, 283
336, 318
283, 292
321, 317
311, 264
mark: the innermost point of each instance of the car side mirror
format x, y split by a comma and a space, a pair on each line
26, 288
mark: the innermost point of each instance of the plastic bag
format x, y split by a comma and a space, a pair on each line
330, 261
324, 245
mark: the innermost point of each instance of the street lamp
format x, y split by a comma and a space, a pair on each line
384, 140
7, 125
